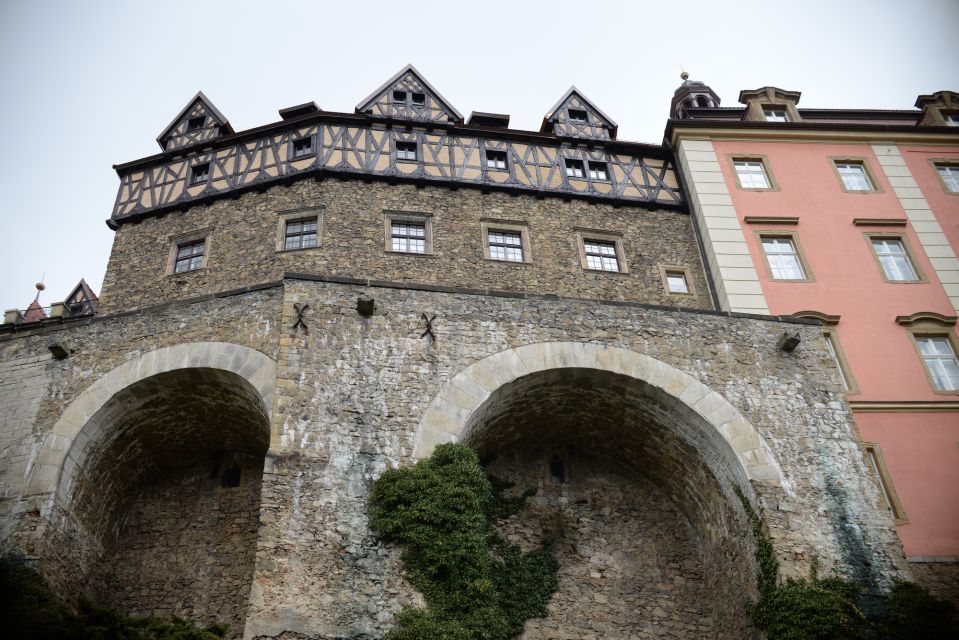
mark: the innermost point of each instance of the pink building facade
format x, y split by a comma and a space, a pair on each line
850, 217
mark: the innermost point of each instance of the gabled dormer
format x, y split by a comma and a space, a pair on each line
408, 96
81, 301
199, 121
575, 116
940, 109
770, 104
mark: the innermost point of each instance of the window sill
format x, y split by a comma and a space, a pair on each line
612, 273
523, 263
409, 253
297, 250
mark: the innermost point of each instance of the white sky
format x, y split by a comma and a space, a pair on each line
89, 84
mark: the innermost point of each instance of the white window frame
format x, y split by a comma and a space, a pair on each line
949, 176
598, 170
575, 168
401, 219
854, 176
747, 170
890, 259
939, 358
403, 155
776, 114
787, 264
499, 161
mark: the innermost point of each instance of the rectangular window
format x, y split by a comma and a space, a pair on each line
949, 174
874, 459
418, 99
578, 115
195, 123
495, 159
505, 245
676, 281
952, 119
940, 361
831, 346
783, 258
399, 96
574, 168
405, 150
200, 173
300, 234
189, 257
775, 114
303, 147
854, 176
601, 255
751, 174
598, 171
894, 260
408, 237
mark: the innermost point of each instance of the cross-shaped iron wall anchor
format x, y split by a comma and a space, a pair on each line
429, 327
300, 322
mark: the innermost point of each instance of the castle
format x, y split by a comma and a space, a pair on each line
290, 310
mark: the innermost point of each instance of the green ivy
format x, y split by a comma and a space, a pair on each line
477, 586
814, 609
31, 611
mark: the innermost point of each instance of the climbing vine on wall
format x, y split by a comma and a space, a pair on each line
477, 586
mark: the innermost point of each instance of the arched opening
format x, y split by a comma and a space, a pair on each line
702, 101
160, 496
635, 493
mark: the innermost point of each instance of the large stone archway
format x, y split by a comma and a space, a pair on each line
635, 465
156, 505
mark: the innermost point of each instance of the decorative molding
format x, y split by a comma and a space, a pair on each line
771, 219
880, 222
904, 406
927, 316
825, 318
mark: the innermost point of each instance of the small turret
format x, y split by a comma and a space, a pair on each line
691, 93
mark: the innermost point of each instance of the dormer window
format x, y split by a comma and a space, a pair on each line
951, 118
200, 173
399, 96
574, 168
418, 99
196, 123
303, 147
775, 114
578, 116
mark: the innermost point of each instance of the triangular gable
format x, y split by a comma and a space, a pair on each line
81, 301
409, 96
596, 124
199, 121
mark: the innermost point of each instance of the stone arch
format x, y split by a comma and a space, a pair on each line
447, 419
54, 469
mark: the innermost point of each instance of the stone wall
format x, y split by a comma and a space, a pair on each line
352, 391
243, 236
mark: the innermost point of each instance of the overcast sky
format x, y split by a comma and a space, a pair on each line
90, 84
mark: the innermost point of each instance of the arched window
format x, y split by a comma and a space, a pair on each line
702, 101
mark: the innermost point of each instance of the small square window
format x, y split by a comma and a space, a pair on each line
574, 168
896, 264
940, 361
598, 171
300, 234
676, 281
505, 245
303, 147
949, 174
399, 96
601, 255
195, 123
854, 176
783, 258
189, 256
405, 150
495, 159
408, 236
751, 174
578, 116
775, 114
200, 173
418, 99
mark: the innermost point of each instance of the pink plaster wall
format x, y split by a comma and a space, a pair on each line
920, 449
847, 278
944, 205
922, 456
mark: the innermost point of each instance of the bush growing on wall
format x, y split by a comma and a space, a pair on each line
476, 585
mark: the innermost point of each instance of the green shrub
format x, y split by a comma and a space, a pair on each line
476, 585
915, 613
